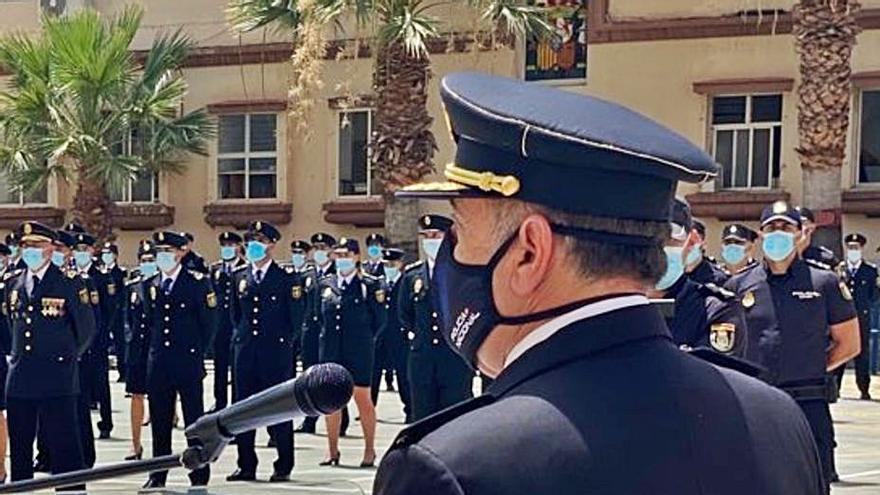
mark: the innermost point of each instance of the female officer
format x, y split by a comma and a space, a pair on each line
352, 312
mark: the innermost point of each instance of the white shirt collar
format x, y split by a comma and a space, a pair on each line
854, 266
550, 328
262, 271
86, 268
322, 270
173, 275
41, 272
347, 280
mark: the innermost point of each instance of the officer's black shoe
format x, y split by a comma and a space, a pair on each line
835, 478
93, 406
41, 467
239, 475
104, 435
153, 483
279, 477
271, 443
866, 396
121, 379
305, 429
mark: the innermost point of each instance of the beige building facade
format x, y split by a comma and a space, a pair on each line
721, 72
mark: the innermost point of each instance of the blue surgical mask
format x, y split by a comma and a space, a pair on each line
733, 253
694, 255
13, 251
298, 260
374, 252
854, 255
148, 269
345, 265
321, 257
58, 258
166, 261
778, 245
431, 247
256, 251
108, 258
674, 268
82, 258
33, 257
227, 252
391, 272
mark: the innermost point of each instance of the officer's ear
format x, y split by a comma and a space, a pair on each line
532, 255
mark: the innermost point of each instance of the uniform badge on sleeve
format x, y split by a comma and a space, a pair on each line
242, 286
83, 296
134, 297
328, 293
296, 292
748, 300
380, 296
152, 293
95, 298
722, 336
111, 289
844, 291
417, 286
212, 300
13, 299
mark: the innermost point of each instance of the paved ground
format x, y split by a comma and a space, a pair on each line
857, 422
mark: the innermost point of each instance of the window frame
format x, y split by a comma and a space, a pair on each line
748, 125
155, 185
856, 126
247, 155
336, 183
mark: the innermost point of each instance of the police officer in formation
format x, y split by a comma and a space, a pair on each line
116, 278
700, 267
815, 254
182, 311
373, 264
52, 323
12, 242
438, 378
191, 259
392, 339
352, 313
223, 278
801, 321
137, 290
737, 248
562, 208
706, 315
863, 282
268, 312
5, 348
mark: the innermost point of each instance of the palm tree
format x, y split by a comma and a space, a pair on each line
403, 145
77, 93
825, 34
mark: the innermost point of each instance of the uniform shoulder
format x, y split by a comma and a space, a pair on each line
371, 279
132, 281
870, 265
717, 291
196, 274
413, 266
71, 273
239, 268
818, 264
419, 430
13, 273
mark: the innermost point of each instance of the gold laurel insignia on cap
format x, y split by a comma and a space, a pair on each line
28, 229
506, 185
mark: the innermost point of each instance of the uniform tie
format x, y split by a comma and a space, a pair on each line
258, 277
166, 286
35, 281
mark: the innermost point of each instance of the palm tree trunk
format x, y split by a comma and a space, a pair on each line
825, 33
403, 145
91, 206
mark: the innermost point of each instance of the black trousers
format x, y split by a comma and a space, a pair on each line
308, 352
222, 363
862, 361
819, 417
162, 401
58, 418
433, 387
101, 391
397, 361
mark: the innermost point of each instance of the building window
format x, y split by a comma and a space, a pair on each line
746, 140
355, 169
562, 56
869, 138
14, 196
142, 189
247, 158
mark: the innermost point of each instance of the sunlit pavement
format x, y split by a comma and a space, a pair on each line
857, 424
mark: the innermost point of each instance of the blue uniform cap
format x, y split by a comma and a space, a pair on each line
35, 231
324, 238
393, 254
300, 245
681, 219
84, 238
435, 222
265, 229
856, 238
169, 239
65, 238
738, 232
375, 239
559, 149
348, 243
781, 210
229, 236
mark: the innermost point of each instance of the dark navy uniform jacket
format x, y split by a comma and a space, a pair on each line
393, 333
707, 316
105, 303
50, 329
194, 261
268, 318
351, 319
863, 284
707, 272
116, 277
313, 320
820, 255
789, 318
376, 269
181, 326
223, 279
598, 408
137, 337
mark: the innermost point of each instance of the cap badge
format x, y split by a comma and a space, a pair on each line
28, 229
748, 300
779, 207
161, 237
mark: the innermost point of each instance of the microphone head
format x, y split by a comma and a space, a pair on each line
323, 389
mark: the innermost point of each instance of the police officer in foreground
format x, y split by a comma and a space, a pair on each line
560, 222
699, 267
223, 276
863, 282
392, 339
182, 312
706, 316
268, 313
438, 377
52, 324
801, 320
116, 326
737, 248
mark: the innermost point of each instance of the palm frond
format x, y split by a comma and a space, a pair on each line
515, 18
250, 15
407, 22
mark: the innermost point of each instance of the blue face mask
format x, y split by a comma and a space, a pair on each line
58, 259
256, 251
778, 245
391, 272
374, 252
227, 252
694, 255
431, 247
345, 265
33, 257
13, 251
854, 255
148, 269
166, 261
108, 258
82, 258
674, 268
298, 260
733, 253
321, 257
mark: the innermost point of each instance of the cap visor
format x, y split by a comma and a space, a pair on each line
784, 218
36, 238
735, 238
443, 190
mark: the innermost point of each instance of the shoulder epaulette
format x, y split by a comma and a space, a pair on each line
197, 274
414, 265
717, 291
370, 277
132, 281
419, 430
71, 273
239, 268
818, 264
290, 270
82, 275
13, 273
872, 265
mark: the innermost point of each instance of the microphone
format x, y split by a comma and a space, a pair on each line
322, 389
